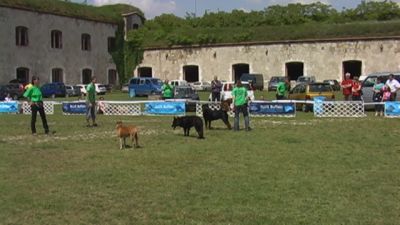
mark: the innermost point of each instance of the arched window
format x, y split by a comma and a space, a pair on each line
191, 73
23, 75
86, 76
112, 76
21, 36
86, 42
294, 70
57, 75
56, 39
135, 26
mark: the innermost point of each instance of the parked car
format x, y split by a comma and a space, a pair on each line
307, 91
334, 83
3, 92
109, 87
56, 89
257, 80
227, 87
305, 79
72, 90
178, 82
368, 84
100, 89
15, 90
82, 88
201, 86
186, 92
145, 86
125, 88
273, 82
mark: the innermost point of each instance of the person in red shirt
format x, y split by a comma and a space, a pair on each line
347, 85
356, 89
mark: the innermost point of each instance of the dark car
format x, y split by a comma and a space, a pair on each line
53, 90
15, 90
334, 83
257, 80
3, 92
186, 92
273, 82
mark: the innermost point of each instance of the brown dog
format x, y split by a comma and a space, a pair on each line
127, 131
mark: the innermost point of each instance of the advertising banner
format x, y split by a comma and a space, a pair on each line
74, 108
272, 109
392, 109
8, 107
165, 108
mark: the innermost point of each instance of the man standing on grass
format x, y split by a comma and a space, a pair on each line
394, 87
216, 86
91, 103
239, 98
347, 85
281, 89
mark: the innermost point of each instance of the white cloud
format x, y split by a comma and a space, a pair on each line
151, 8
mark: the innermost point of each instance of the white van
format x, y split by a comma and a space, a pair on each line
178, 82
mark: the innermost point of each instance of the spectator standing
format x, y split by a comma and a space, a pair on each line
347, 85
356, 89
167, 90
240, 98
281, 89
394, 86
8, 98
377, 97
35, 99
216, 86
91, 103
102, 106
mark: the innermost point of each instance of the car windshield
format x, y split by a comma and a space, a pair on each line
301, 79
197, 83
320, 88
277, 79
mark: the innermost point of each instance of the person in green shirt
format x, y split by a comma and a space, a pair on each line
167, 90
91, 103
240, 98
281, 89
35, 99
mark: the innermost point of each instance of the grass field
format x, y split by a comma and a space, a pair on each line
301, 170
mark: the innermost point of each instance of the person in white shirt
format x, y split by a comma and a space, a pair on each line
8, 98
394, 86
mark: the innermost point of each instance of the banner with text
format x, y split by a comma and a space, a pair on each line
272, 109
392, 109
8, 107
165, 108
74, 108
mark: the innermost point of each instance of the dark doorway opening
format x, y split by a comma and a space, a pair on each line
145, 72
23, 75
191, 73
239, 69
294, 70
112, 76
86, 76
353, 67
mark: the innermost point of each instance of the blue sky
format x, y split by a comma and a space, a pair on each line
154, 8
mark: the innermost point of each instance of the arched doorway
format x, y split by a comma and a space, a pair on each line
145, 72
191, 73
294, 70
353, 67
239, 69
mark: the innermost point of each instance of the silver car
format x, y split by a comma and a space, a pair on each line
368, 84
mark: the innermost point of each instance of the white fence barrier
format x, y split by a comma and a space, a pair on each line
333, 109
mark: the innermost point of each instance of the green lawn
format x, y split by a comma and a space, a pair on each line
301, 170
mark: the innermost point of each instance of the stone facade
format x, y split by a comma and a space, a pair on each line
40, 58
324, 59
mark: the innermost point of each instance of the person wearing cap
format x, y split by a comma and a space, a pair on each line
35, 98
394, 86
347, 85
